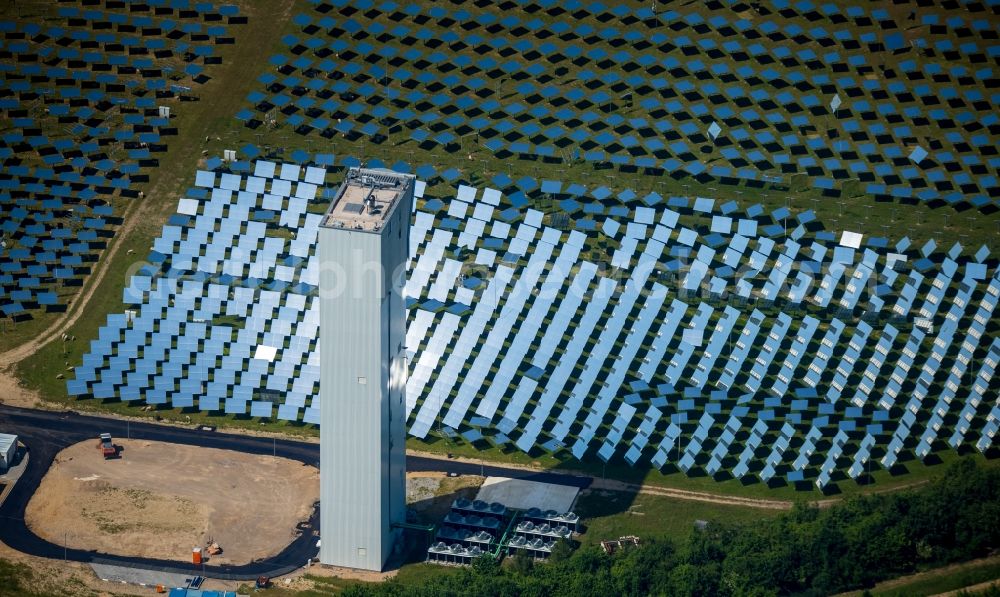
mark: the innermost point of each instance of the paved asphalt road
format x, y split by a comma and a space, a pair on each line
46, 433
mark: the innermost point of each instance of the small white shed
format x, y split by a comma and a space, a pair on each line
8, 448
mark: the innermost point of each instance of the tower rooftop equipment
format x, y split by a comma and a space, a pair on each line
366, 200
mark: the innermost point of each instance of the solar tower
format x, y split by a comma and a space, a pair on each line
363, 246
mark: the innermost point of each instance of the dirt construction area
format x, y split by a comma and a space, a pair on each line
160, 500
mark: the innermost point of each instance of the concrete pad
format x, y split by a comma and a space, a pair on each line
522, 495
140, 576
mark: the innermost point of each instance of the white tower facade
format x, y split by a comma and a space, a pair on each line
363, 247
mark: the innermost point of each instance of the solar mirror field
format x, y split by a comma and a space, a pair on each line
86, 92
725, 240
687, 348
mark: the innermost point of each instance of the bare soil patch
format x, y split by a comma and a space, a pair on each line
160, 500
430, 495
12, 392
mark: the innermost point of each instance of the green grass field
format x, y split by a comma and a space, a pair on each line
611, 514
936, 581
18, 579
411, 575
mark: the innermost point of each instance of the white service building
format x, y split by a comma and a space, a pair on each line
8, 449
363, 247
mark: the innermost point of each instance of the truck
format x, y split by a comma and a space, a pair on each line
107, 446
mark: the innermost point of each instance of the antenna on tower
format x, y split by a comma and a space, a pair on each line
370, 199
